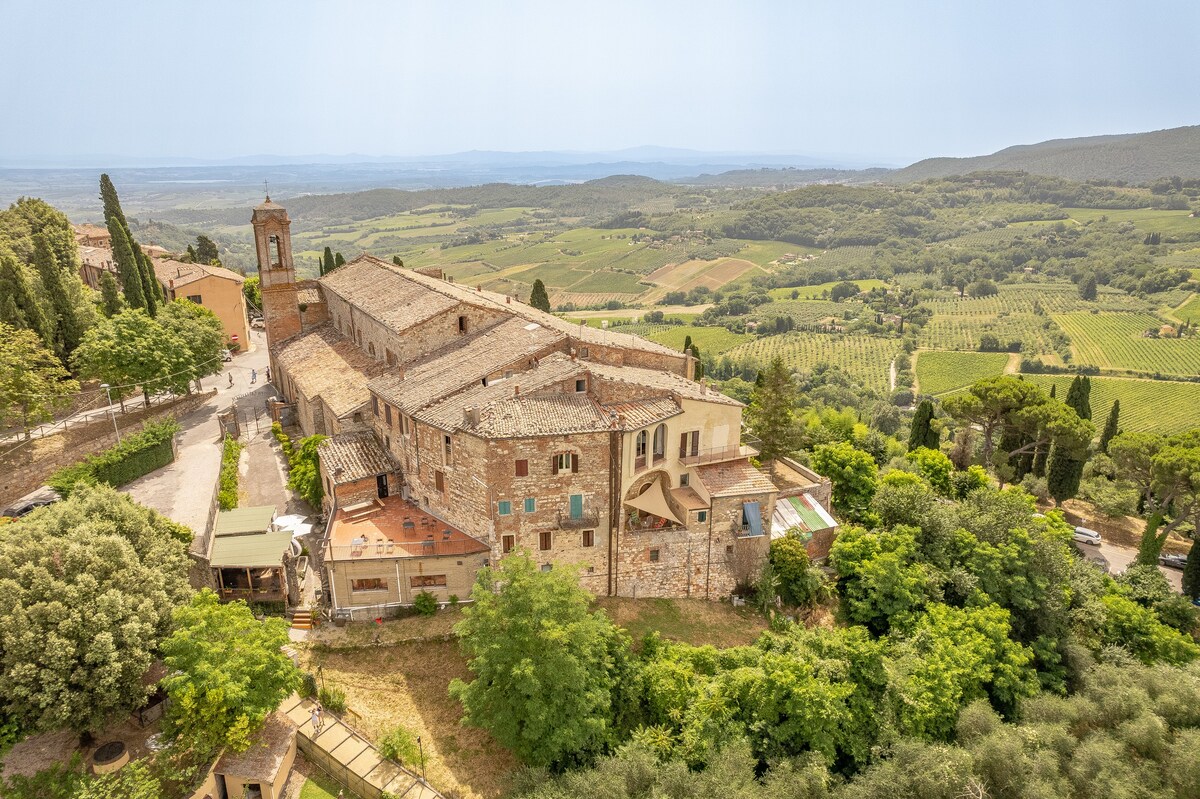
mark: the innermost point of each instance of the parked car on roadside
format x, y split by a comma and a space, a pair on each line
1172, 561
31, 502
1085, 536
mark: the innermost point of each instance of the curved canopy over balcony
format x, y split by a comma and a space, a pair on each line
653, 502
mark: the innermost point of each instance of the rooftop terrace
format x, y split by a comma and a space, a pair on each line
394, 528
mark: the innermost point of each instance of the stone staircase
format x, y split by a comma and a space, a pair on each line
303, 620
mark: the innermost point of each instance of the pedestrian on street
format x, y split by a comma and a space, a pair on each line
268, 374
253, 376
316, 718
231, 379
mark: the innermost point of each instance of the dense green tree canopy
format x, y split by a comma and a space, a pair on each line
33, 384
771, 416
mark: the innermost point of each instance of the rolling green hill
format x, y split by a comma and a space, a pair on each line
1132, 157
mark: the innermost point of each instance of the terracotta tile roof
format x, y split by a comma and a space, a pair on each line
262, 761
733, 477
99, 257
668, 382
88, 230
309, 291
465, 362
177, 273
500, 302
386, 294
365, 534
356, 455
324, 364
643, 413
545, 415
447, 413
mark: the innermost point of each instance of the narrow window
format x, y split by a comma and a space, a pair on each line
439, 481
589, 538
446, 451
374, 404
387, 414
660, 442
544, 541
462, 324
639, 450
654, 556
371, 348
507, 543
702, 516
576, 505
530, 505
522, 468
391, 356
504, 507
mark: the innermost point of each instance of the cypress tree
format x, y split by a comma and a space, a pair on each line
127, 265
338, 260
922, 434
1053, 390
109, 293
1151, 545
64, 327
1078, 396
1062, 475
150, 288
191, 251
397, 260
538, 297
327, 262
772, 412
1191, 572
18, 306
1110, 426
699, 363
1039, 460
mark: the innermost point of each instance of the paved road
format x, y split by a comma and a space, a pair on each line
183, 491
1119, 559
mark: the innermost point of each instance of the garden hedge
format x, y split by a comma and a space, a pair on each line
136, 455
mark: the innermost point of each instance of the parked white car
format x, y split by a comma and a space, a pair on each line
1085, 536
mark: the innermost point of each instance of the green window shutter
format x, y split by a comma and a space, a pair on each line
530, 505
577, 506
504, 507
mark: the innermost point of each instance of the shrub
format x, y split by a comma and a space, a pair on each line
308, 684
454, 599
332, 699
400, 745
285, 442
304, 470
799, 583
227, 491
136, 455
425, 603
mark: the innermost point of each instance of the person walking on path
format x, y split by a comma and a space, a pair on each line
253, 376
316, 719
231, 379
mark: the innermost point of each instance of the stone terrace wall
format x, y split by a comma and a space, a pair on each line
26, 467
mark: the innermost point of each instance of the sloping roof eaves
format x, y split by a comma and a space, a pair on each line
733, 477
239, 521
357, 455
258, 550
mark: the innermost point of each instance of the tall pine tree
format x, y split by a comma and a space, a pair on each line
127, 265
137, 275
772, 412
327, 262
111, 299
1111, 427
150, 286
64, 327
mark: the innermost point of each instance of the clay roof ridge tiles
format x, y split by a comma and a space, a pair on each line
357, 455
665, 381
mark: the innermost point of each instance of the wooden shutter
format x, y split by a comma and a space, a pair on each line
574, 463
554, 464
683, 445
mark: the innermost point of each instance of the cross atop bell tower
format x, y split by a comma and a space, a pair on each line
277, 273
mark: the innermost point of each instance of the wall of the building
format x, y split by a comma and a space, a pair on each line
225, 299
719, 426
398, 573
355, 491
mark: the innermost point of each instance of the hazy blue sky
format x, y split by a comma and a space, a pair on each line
893, 80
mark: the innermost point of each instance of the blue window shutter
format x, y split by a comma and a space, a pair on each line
504, 507
577, 506
753, 514
530, 505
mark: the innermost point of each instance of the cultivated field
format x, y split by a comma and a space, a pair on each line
866, 358
1168, 223
1153, 406
944, 372
820, 290
710, 340
1115, 341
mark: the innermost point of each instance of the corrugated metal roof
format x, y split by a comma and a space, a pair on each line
250, 551
240, 521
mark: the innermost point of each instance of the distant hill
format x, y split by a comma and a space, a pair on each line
789, 177
1131, 157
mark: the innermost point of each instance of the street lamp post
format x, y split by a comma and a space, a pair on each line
421, 746
108, 393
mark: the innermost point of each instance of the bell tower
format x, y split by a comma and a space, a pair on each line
276, 272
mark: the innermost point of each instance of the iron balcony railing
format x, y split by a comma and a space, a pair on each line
718, 455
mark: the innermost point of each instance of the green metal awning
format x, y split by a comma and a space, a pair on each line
240, 521
250, 551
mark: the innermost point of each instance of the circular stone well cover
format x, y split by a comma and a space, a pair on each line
109, 753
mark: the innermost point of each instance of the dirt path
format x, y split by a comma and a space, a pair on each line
1014, 364
892, 375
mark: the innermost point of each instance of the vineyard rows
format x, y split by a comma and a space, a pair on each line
941, 372
865, 358
1116, 341
1151, 406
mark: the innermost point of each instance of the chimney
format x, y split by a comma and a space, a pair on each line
508, 300
688, 352
704, 385
573, 353
516, 389
470, 416
479, 288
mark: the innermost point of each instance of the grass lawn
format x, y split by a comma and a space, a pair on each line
694, 621
942, 372
815, 292
318, 786
1152, 221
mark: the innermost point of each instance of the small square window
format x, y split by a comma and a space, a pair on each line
729, 549
581, 385
583, 352
504, 507
589, 538
530, 505
507, 543
654, 556
544, 541
685, 480
702, 516
523, 468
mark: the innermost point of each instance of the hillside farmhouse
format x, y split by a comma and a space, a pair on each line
465, 425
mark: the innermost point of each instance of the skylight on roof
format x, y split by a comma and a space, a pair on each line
532, 326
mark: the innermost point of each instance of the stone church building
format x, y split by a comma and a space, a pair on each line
465, 425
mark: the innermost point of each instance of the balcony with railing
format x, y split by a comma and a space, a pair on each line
717, 455
581, 518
